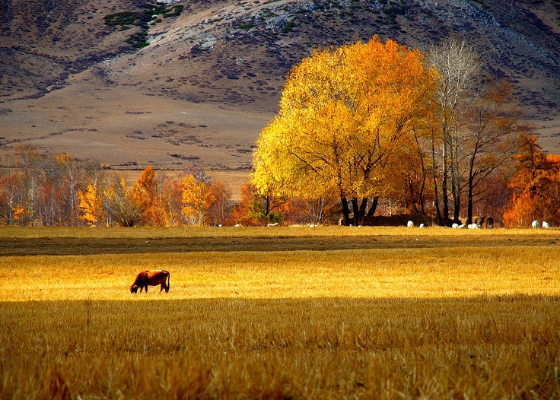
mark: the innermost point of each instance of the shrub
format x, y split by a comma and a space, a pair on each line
289, 26
121, 18
246, 27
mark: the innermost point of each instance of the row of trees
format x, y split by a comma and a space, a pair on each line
193, 199
362, 129
378, 121
61, 191
42, 190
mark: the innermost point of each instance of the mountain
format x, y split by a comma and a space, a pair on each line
172, 84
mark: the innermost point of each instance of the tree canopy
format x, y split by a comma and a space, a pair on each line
535, 186
345, 114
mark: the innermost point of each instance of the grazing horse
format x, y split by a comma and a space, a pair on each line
151, 278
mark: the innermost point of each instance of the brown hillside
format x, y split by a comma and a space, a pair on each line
212, 74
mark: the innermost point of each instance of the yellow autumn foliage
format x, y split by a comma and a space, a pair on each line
91, 206
197, 197
344, 115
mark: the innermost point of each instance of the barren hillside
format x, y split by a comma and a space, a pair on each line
131, 83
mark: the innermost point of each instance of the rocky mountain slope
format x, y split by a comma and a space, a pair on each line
176, 83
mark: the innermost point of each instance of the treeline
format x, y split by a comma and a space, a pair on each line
364, 129
422, 133
42, 190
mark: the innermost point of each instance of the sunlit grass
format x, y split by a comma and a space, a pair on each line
384, 273
429, 321
212, 232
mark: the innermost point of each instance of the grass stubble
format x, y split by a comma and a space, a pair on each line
414, 316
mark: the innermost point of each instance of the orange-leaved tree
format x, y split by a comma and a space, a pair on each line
256, 209
344, 113
149, 198
535, 186
197, 197
219, 211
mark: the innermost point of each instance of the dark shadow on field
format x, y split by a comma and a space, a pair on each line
352, 344
146, 306
202, 328
86, 246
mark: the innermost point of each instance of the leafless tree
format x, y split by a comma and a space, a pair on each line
28, 162
491, 141
459, 66
121, 207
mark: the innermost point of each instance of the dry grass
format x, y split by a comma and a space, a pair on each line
477, 319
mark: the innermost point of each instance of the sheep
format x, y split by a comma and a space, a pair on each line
410, 224
474, 226
545, 224
535, 224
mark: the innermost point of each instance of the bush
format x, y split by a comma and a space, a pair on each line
122, 18
289, 26
246, 27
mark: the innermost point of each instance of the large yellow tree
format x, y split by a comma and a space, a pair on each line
344, 115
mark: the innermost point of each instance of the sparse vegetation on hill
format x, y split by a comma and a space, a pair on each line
122, 18
149, 16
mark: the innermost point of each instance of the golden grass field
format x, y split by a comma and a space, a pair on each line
280, 313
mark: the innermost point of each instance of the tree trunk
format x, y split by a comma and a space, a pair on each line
470, 203
444, 197
456, 193
356, 211
470, 191
345, 211
434, 176
363, 207
424, 178
457, 209
373, 207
